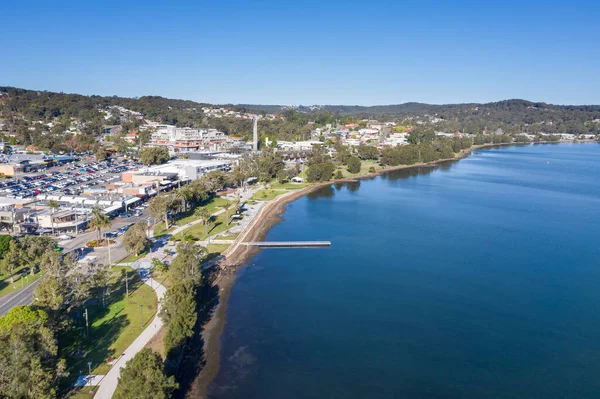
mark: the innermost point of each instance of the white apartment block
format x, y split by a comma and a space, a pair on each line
187, 139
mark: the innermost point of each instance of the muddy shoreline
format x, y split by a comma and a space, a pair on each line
237, 255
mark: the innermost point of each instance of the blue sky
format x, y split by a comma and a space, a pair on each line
307, 52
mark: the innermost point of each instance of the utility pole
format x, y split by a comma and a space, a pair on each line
87, 327
108, 244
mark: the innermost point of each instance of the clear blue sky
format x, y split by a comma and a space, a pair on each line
307, 52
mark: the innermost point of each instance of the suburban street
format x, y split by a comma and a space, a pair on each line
22, 296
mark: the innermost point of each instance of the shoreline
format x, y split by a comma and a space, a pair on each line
237, 255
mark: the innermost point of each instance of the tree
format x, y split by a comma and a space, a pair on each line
13, 260
29, 363
52, 204
204, 216
159, 265
54, 291
154, 155
99, 221
160, 206
339, 175
226, 208
368, 151
144, 376
187, 263
5, 240
353, 165
183, 195
178, 311
100, 154
135, 239
320, 171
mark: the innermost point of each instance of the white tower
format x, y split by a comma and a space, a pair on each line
255, 134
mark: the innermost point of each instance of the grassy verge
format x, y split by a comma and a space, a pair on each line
231, 236
112, 328
133, 257
266, 194
287, 186
216, 248
364, 169
20, 282
198, 231
213, 206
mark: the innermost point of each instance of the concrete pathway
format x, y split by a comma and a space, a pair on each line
108, 384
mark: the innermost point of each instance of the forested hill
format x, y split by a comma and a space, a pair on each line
511, 115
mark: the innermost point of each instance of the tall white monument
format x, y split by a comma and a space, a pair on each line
255, 134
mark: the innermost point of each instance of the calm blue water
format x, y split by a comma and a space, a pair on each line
479, 279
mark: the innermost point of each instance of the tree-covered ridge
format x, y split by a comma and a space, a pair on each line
512, 116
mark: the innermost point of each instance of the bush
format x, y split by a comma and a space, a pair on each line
353, 165
372, 169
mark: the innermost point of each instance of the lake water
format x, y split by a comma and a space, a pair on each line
476, 279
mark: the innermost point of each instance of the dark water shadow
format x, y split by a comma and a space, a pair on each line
193, 361
325, 192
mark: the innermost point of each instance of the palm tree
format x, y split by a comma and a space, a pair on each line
204, 215
183, 195
99, 221
237, 202
52, 204
226, 207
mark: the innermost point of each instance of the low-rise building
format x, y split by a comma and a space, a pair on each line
181, 169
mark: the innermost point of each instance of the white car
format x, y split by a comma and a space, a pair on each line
65, 237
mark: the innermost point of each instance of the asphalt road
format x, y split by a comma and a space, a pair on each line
21, 297
24, 296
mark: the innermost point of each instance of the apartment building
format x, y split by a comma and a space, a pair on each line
186, 139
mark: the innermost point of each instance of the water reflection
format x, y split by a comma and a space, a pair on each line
325, 192
353, 186
417, 171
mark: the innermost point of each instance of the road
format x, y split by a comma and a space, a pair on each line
23, 296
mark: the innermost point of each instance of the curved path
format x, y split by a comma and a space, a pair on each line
108, 384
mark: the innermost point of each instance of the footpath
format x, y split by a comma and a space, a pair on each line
108, 384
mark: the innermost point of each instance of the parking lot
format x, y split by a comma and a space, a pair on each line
69, 179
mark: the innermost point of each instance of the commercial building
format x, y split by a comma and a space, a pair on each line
62, 221
182, 169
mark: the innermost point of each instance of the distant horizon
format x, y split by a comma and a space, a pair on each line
295, 105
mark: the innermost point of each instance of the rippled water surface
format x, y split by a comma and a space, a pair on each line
476, 279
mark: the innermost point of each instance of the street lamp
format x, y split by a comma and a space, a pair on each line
90, 374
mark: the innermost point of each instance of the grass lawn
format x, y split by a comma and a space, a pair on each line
218, 225
213, 206
287, 186
216, 248
132, 257
364, 168
232, 236
112, 329
266, 194
20, 282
